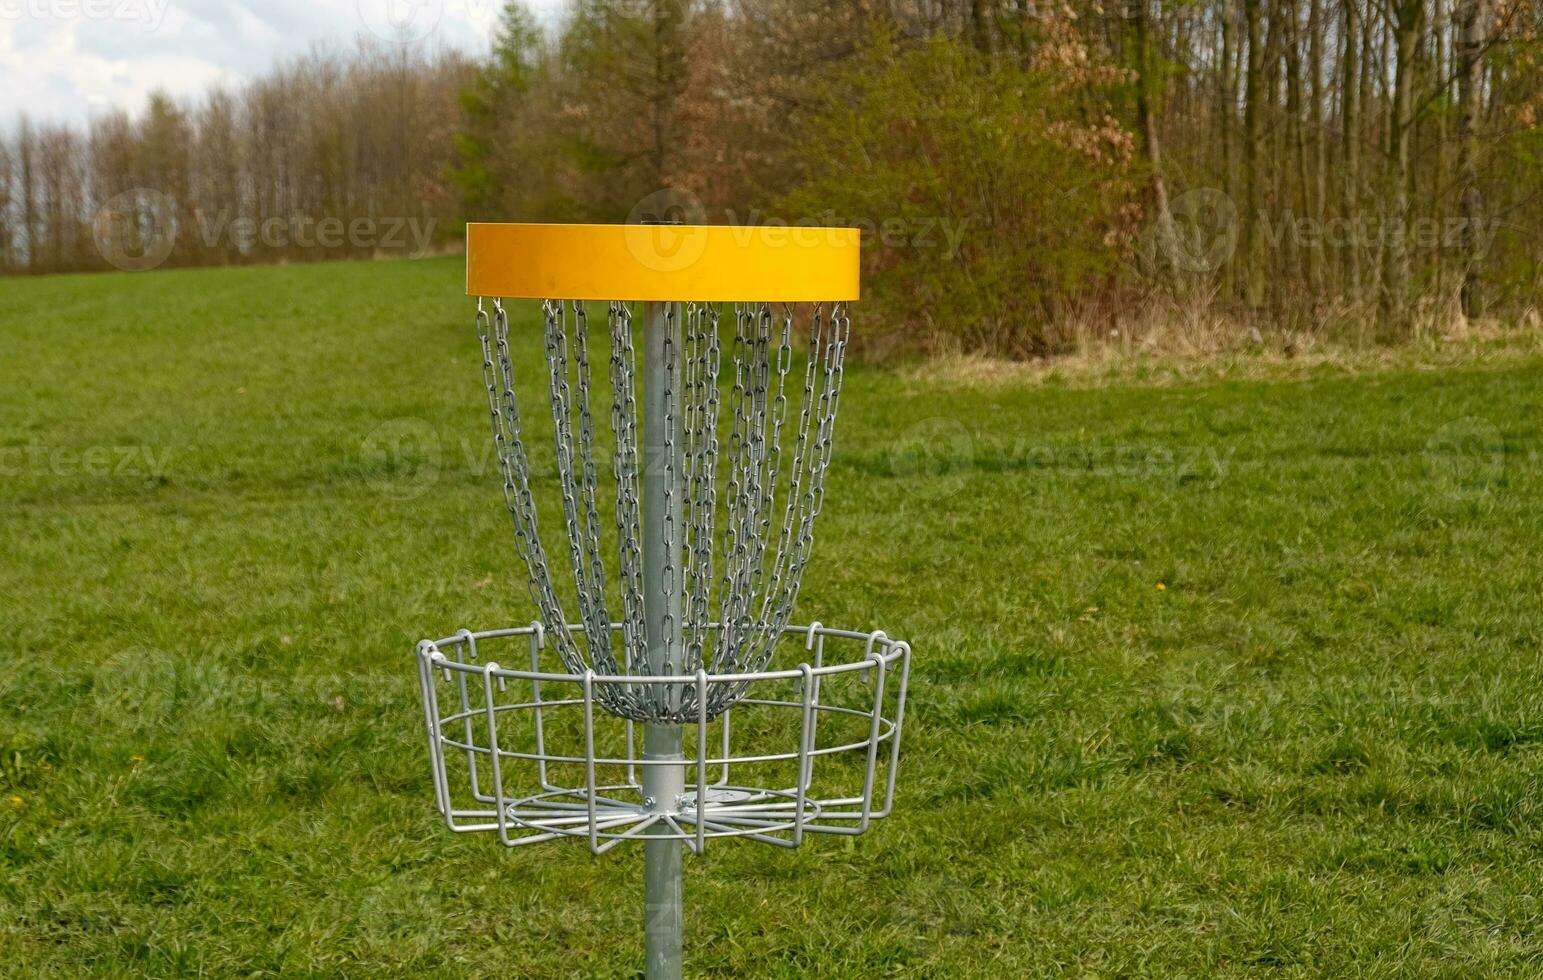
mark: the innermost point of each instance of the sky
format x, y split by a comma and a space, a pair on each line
67, 60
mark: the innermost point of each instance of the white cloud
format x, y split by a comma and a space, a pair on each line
67, 60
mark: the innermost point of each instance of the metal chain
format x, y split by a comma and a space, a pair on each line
667, 701
751, 369
772, 461
783, 569
736, 551
583, 540
498, 375
701, 457
833, 360
811, 457
762, 559
591, 487
624, 416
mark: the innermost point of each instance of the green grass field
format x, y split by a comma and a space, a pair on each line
1212, 678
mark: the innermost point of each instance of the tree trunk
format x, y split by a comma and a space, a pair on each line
1350, 136
1408, 16
1146, 68
1320, 191
1473, 18
1297, 135
1228, 104
1253, 141
1278, 270
27, 171
980, 25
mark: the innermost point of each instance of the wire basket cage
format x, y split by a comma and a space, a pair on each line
524, 749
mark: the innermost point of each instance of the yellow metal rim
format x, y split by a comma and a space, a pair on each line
709, 263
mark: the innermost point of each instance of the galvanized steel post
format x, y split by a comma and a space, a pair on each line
663, 522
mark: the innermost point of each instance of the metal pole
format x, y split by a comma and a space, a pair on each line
663, 523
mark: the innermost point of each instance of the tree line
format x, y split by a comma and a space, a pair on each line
360, 141
1023, 171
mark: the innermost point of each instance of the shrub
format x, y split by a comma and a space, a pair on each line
987, 189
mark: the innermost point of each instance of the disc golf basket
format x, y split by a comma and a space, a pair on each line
680, 705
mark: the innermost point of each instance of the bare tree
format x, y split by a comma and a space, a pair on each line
1350, 137
1408, 17
1473, 18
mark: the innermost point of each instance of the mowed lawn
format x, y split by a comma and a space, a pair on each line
1212, 678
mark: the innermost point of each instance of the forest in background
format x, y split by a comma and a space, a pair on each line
1027, 175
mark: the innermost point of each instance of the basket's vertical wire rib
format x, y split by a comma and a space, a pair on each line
537, 714
873, 640
589, 758
816, 642
819, 662
431, 719
873, 739
724, 779
500, 805
899, 725
805, 761
632, 756
469, 645
701, 759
